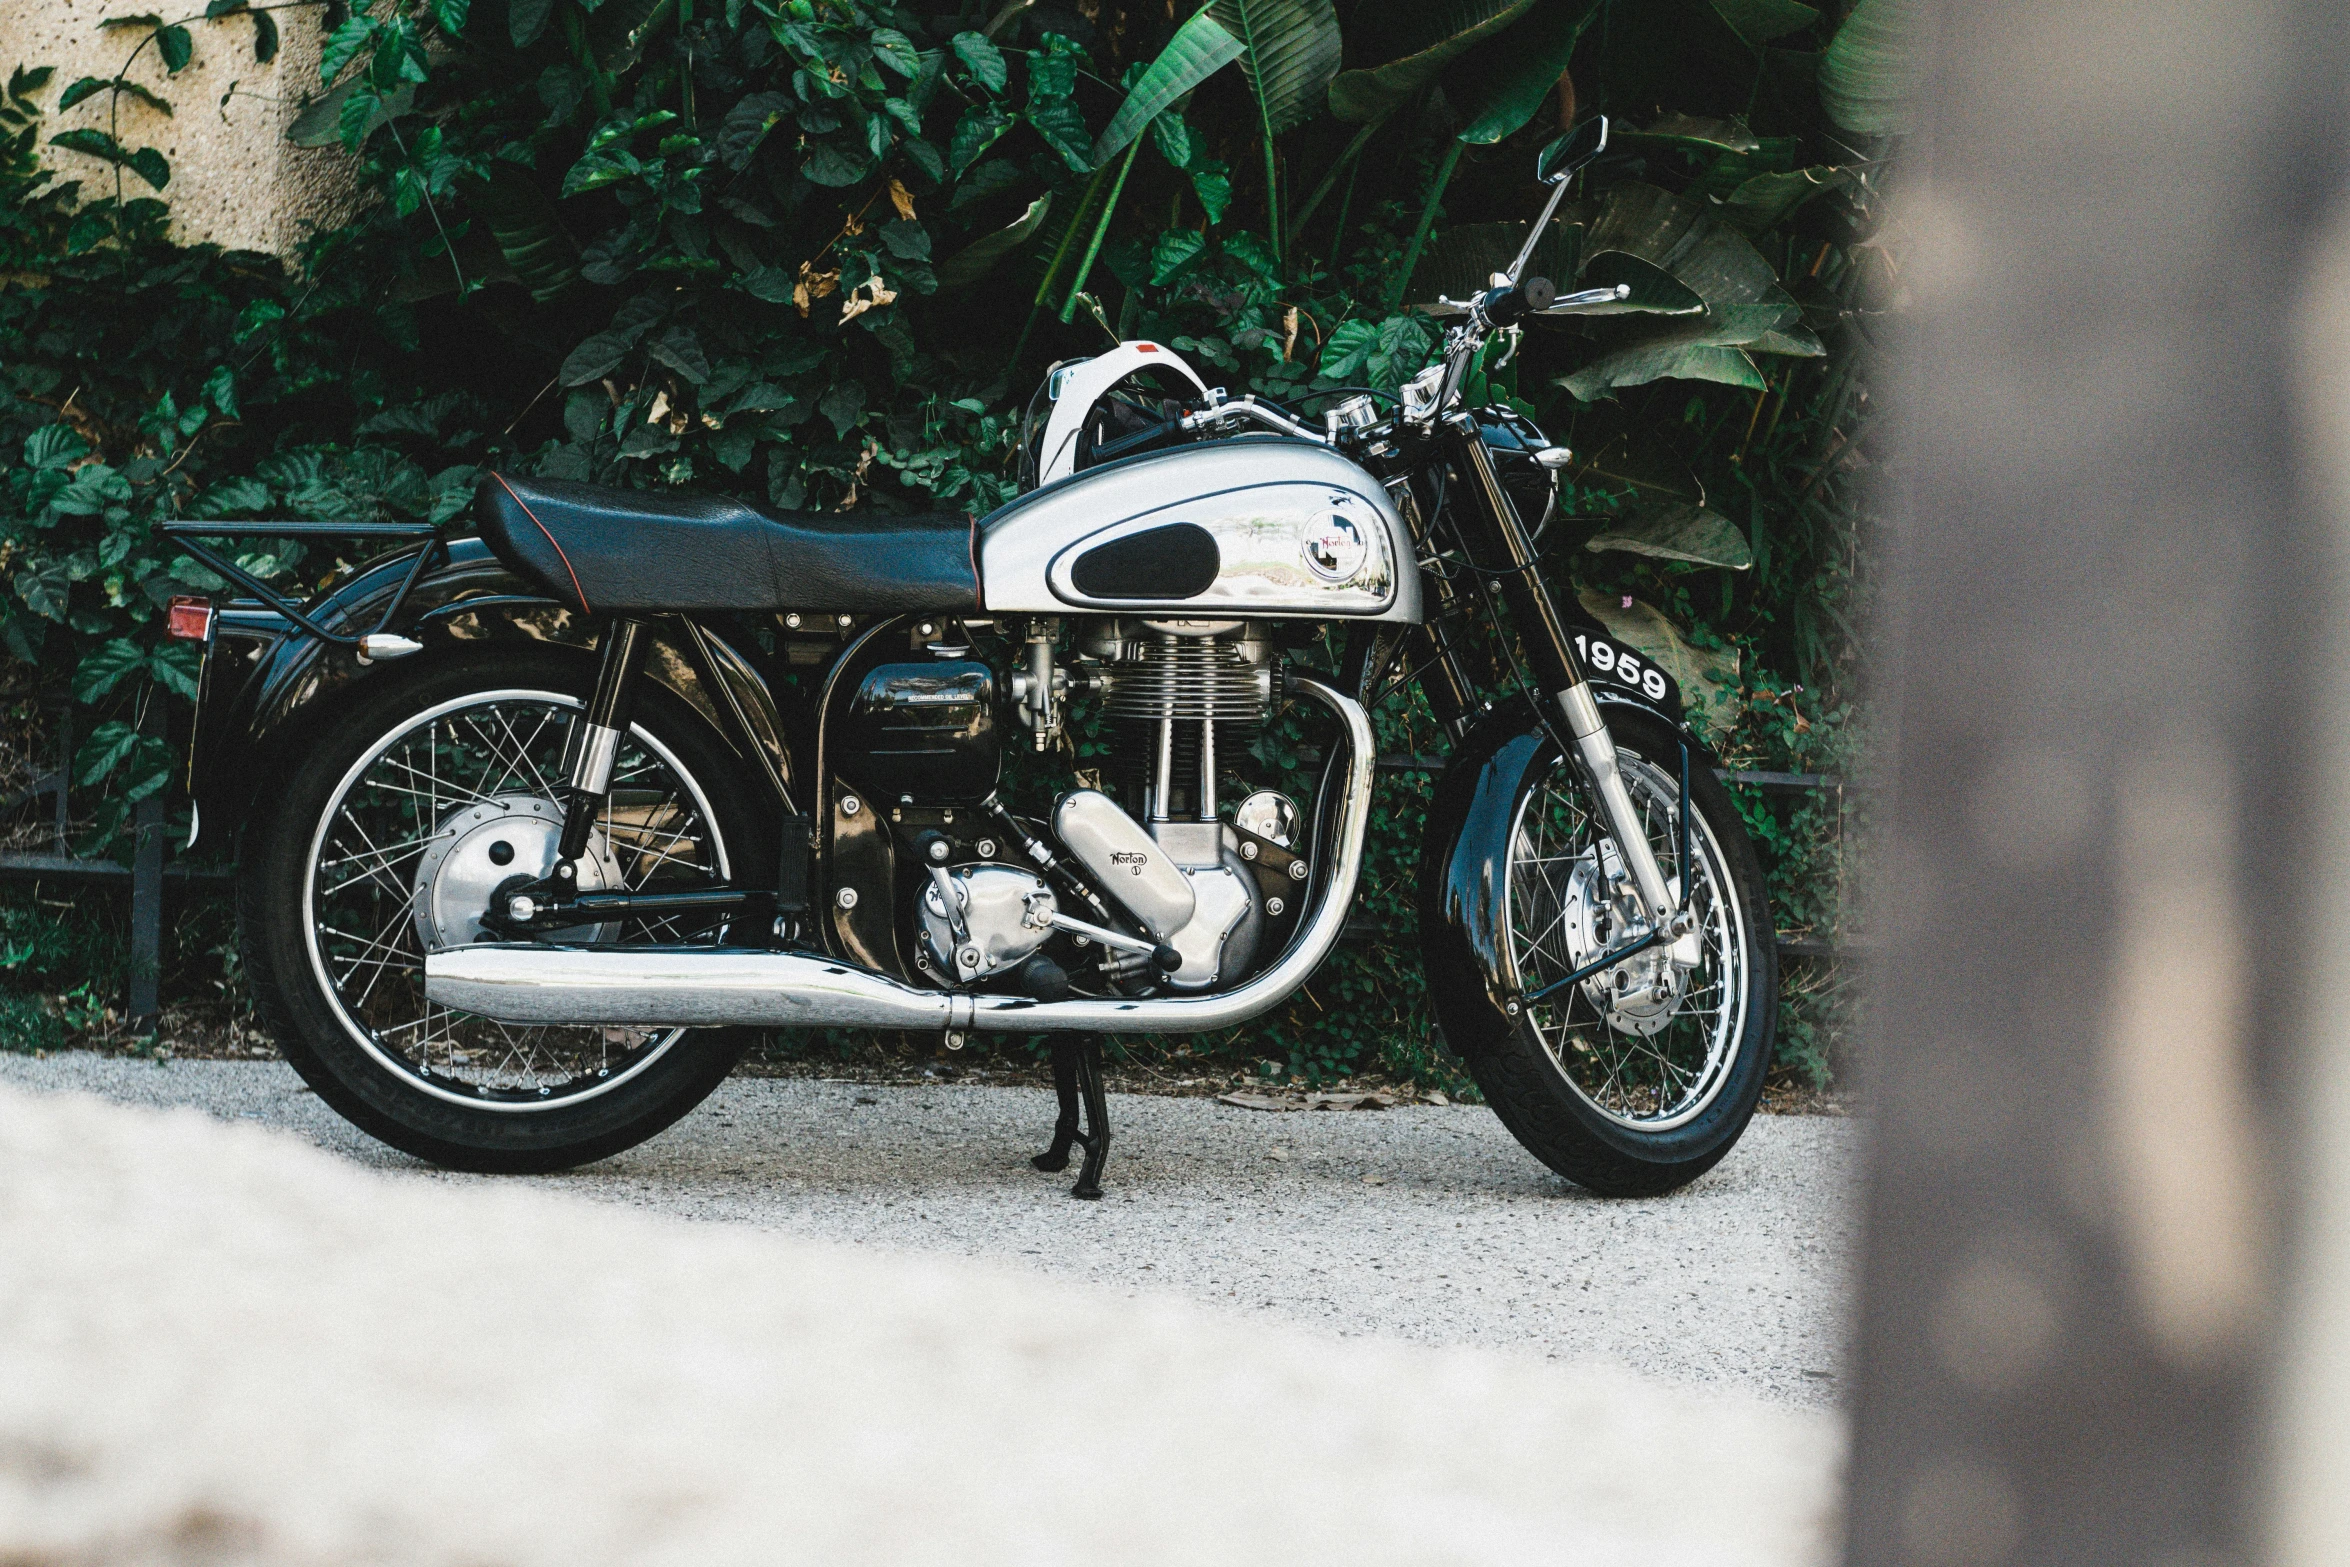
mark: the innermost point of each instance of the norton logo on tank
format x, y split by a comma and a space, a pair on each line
1334, 547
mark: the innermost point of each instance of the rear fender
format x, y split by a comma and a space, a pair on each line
266, 683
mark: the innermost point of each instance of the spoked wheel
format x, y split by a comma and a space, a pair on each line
414, 808
1647, 1044
1637, 1079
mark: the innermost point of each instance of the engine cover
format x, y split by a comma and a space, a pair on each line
1124, 860
1200, 901
926, 730
1222, 935
1005, 913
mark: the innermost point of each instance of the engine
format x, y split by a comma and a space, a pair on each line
1178, 694
1152, 878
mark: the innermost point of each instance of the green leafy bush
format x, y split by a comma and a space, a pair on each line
817, 252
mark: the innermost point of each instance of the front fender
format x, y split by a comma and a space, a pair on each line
266, 683
1464, 848
1464, 851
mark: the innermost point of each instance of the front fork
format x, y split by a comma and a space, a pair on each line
1506, 556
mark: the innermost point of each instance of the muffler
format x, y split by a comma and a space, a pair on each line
690, 987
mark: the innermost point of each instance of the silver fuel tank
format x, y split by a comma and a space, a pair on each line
1254, 526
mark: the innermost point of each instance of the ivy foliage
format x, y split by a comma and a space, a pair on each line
818, 253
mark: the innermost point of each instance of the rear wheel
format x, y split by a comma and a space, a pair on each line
444, 780
1638, 1079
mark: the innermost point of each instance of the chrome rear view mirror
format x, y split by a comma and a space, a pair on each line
1573, 150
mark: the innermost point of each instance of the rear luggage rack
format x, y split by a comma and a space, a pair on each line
425, 533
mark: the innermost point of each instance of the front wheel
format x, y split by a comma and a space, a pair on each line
1637, 1080
443, 780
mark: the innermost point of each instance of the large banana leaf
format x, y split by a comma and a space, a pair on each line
1690, 354
1498, 86
1757, 22
1687, 130
1676, 530
1200, 48
1762, 203
1869, 76
1431, 36
1655, 292
1292, 49
975, 260
1746, 312
1686, 239
1721, 348
1708, 679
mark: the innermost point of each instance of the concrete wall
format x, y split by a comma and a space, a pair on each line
235, 179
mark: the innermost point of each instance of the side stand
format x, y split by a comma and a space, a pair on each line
1077, 1073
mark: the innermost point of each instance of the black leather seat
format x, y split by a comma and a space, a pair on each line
640, 551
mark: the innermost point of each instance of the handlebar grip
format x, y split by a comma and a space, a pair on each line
1502, 306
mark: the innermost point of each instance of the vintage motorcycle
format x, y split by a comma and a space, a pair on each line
537, 826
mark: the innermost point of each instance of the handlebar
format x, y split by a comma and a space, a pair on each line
1505, 305
1585, 298
1250, 408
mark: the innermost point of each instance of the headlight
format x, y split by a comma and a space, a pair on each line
1533, 487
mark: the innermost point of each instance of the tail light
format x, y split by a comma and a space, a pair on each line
189, 619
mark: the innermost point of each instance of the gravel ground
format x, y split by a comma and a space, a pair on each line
1426, 1223
227, 1345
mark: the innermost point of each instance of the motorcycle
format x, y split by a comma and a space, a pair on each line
538, 826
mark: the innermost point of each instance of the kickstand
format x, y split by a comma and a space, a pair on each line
1077, 1074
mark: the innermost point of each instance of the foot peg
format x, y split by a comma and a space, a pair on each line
1077, 1076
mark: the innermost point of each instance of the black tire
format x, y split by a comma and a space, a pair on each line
1538, 1070
472, 1117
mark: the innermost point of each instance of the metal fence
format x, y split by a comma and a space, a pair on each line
152, 877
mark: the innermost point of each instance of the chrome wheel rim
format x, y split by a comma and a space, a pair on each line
1656, 1062
412, 807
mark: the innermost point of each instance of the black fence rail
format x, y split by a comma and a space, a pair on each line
1782, 783
144, 878
151, 872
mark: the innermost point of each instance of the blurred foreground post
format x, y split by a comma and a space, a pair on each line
2112, 874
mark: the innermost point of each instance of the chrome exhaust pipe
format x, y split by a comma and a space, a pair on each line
686, 987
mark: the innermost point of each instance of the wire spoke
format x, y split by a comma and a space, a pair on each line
1642, 1060
392, 827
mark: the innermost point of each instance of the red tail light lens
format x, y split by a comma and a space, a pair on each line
189, 619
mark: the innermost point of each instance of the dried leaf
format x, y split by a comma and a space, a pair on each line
902, 199
1351, 1100
865, 296
813, 285
1344, 1099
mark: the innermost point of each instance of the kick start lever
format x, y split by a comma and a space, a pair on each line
1163, 957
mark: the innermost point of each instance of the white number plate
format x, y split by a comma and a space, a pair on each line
1615, 663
